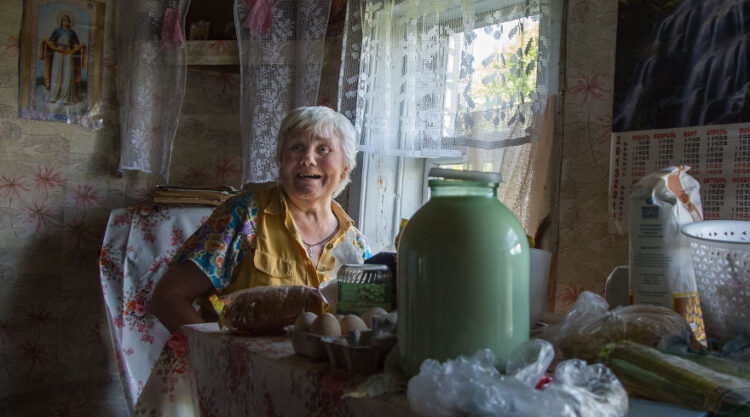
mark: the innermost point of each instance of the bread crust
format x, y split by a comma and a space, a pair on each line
263, 311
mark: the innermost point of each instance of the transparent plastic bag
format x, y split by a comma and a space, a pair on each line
732, 359
661, 272
590, 325
473, 386
659, 376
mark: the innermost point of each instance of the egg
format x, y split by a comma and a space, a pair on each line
304, 321
350, 322
326, 325
367, 315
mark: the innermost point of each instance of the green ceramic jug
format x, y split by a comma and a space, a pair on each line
463, 273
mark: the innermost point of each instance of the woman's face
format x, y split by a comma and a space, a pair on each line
312, 166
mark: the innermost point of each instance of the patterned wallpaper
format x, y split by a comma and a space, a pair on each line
58, 183
56, 186
587, 252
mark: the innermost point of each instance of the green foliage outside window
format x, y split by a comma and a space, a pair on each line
509, 78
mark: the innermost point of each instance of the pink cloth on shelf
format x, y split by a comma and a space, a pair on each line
171, 31
259, 19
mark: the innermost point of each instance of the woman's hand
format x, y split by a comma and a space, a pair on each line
172, 300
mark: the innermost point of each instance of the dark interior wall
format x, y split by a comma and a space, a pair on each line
58, 183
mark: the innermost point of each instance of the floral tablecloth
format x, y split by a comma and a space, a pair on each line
139, 243
204, 372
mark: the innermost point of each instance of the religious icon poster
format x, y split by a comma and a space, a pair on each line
61, 61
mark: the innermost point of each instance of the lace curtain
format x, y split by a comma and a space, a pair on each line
281, 52
150, 81
435, 78
528, 172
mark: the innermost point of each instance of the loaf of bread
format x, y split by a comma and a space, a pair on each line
263, 311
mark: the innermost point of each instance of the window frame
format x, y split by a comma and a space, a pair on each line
410, 177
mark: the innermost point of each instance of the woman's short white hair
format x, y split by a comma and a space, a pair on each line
320, 121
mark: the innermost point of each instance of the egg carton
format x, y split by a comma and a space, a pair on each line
358, 359
342, 352
306, 344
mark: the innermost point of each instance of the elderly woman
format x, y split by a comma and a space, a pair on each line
291, 234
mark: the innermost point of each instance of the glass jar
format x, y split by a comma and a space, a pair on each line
463, 274
362, 287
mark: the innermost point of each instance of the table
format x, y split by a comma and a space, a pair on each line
204, 372
200, 371
139, 242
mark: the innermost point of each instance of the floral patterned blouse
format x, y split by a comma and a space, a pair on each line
251, 241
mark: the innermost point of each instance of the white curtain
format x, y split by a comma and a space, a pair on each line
436, 78
528, 172
150, 81
281, 53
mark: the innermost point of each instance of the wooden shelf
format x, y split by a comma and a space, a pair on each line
212, 52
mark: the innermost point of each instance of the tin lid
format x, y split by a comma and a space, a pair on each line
365, 267
363, 273
478, 176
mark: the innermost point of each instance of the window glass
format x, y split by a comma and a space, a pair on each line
450, 83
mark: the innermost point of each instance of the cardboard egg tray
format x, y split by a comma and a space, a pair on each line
306, 344
360, 359
338, 351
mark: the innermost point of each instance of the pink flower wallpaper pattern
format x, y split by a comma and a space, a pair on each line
58, 184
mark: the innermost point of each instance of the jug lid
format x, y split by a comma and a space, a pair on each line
478, 176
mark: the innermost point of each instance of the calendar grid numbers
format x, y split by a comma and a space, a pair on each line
718, 156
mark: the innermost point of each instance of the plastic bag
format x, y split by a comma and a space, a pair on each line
732, 359
738, 348
590, 325
474, 386
661, 269
659, 376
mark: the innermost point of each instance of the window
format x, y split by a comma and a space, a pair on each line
455, 83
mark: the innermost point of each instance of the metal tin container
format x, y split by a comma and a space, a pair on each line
364, 286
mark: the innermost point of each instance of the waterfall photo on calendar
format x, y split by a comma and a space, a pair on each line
681, 63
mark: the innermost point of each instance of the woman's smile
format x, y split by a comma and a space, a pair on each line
312, 166
309, 176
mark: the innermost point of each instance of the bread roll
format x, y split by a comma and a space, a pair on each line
263, 311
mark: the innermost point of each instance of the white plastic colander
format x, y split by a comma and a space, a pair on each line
721, 261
